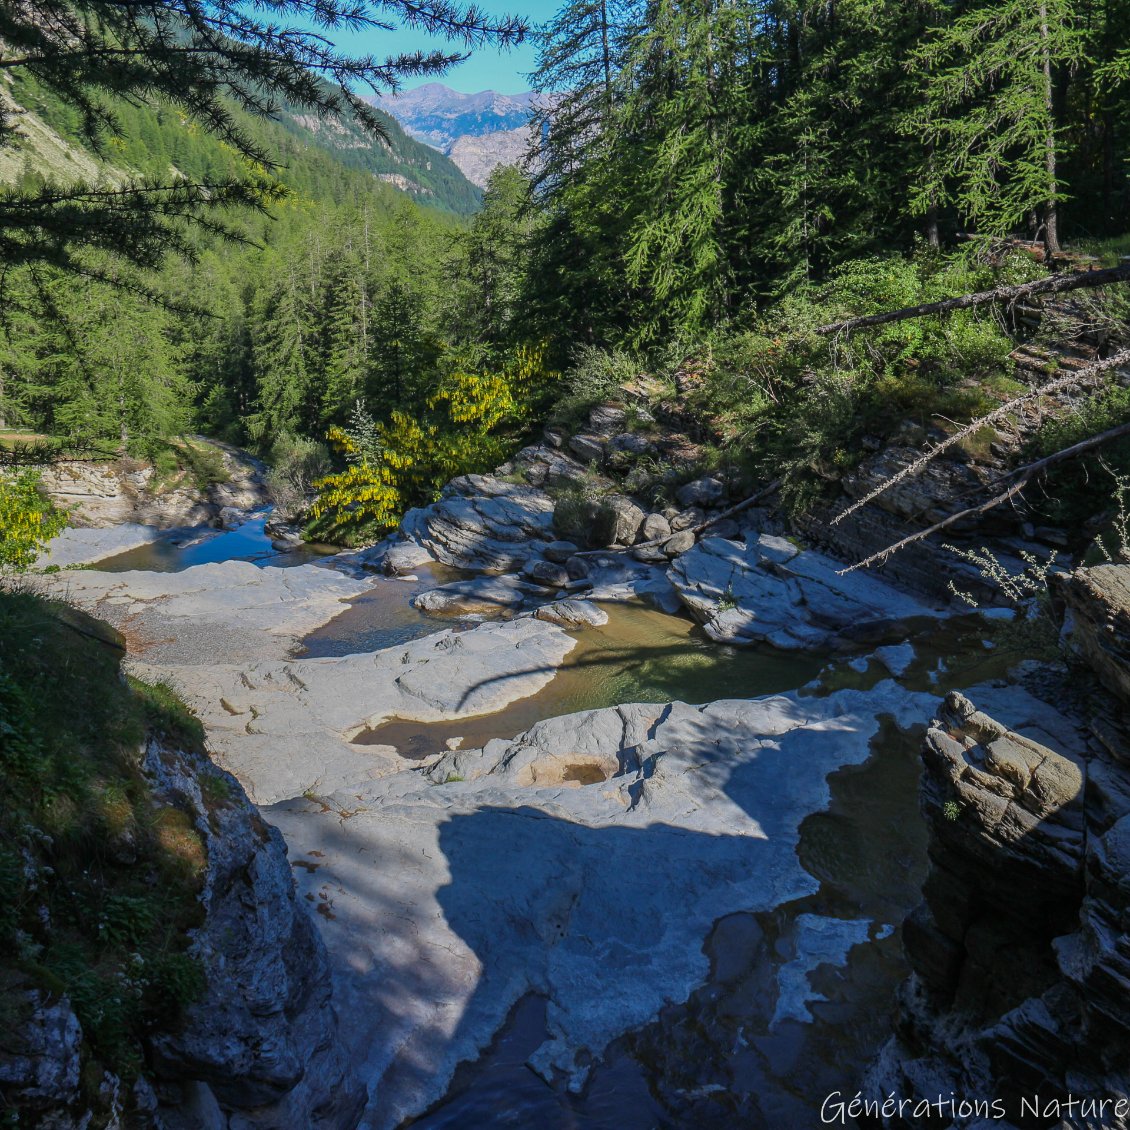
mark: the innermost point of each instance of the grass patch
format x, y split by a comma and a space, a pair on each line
188, 462
98, 881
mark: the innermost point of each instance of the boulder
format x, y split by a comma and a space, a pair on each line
588, 448
402, 559
656, 528
572, 614
678, 543
230, 517
701, 492
483, 524
559, 551
605, 419
651, 554
577, 568
617, 521
477, 596
724, 528
629, 443
546, 573
542, 465
685, 519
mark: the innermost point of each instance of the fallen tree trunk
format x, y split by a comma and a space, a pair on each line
1053, 284
1022, 475
1079, 376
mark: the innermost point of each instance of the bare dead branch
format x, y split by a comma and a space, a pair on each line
1022, 475
745, 504
1078, 377
1053, 284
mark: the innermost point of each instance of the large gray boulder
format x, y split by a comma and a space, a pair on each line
588, 448
656, 528
618, 521
708, 491
483, 524
571, 614
475, 596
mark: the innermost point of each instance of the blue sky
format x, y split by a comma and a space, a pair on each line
487, 69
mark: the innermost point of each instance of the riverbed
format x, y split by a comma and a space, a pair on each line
785, 989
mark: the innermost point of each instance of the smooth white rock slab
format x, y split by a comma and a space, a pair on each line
84, 545
286, 727
448, 895
219, 611
768, 591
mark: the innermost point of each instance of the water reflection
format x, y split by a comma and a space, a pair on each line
199, 545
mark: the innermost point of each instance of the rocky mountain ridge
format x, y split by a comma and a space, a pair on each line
477, 131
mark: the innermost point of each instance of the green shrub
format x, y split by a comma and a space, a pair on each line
594, 377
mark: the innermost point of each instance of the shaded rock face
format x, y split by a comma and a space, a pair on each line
1019, 951
260, 1049
41, 1061
264, 1038
1099, 600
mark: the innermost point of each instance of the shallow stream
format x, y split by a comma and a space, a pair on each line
182, 548
799, 998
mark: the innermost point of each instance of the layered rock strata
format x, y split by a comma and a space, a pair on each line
1019, 951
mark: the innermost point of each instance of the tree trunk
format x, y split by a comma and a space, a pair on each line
1052, 284
123, 427
1051, 221
606, 58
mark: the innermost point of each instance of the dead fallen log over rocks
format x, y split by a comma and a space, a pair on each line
1052, 284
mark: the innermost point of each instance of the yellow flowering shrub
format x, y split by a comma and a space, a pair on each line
470, 424
28, 520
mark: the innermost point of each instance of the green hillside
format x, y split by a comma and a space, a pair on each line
152, 139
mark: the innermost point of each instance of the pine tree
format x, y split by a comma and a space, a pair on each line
677, 124
992, 112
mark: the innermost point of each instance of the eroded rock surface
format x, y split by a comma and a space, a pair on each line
767, 590
228, 609
109, 494
483, 524
287, 727
627, 832
1019, 954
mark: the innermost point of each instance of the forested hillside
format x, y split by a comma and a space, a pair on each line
151, 139
710, 184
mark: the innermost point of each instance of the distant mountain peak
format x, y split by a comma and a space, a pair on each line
478, 130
